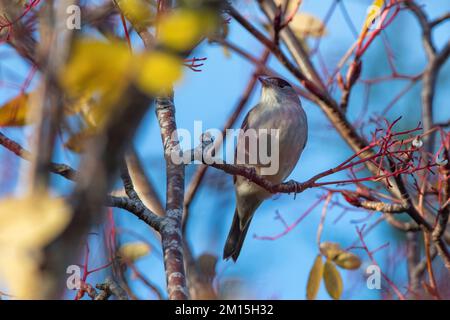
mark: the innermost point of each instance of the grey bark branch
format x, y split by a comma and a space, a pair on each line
136, 208
172, 241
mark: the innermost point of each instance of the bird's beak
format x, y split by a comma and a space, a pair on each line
264, 82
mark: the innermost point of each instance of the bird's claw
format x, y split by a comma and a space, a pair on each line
293, 184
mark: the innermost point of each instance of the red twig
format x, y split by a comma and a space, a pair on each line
194, 63
292, 226
86, 272
371, 257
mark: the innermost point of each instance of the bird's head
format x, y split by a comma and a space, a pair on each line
276, 90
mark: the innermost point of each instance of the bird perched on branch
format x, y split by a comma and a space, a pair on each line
279, 114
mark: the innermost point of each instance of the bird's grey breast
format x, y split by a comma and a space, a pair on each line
289, 119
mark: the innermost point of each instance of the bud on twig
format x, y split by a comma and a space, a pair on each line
351, 198
353, 73
340, 81
417, 142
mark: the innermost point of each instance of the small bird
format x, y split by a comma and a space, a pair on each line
279, 108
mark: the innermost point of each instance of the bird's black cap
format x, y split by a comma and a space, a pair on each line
274, 81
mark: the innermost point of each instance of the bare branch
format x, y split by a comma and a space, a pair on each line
384, 207
110, 288
172, 241
136, 208
57, 168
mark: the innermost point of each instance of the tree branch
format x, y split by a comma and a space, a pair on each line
172, 241
57, 168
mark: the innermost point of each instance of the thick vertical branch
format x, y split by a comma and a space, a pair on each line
47, 111
172, 241
97, 173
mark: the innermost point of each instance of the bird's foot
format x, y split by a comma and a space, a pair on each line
293, 185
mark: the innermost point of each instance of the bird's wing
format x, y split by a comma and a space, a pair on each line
255, 125
244, 126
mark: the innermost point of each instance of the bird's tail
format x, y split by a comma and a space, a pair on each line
235, 238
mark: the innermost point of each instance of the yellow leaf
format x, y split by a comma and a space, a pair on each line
182, 29
306, 25
32, 221
378, 3
347, 260
138, 12
26, 225
373, 12
133, 251
330, 249
79, 104
315, 276
158, 73
96, 65
14, 112
100, 70
19, 269
76, 142
333, 280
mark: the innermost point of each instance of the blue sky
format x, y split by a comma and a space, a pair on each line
275, 269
